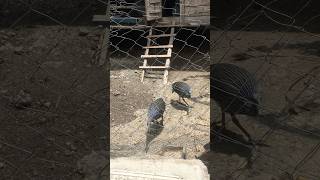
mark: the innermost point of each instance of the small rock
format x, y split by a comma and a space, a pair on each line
2, 165
47, 104
199, 148
68, 153
11, 34
71, 146
42, 119
35, 172
83, 32
18, 50
22, 100
116, 93
3, 91
50, 139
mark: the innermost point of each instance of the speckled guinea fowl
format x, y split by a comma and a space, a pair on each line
182, 89
234, 90
156, 110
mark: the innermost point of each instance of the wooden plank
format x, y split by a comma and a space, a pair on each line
99, 18
166, 72
105, 45
153, 8
153, 67
146, 53
156, 56
160, 35
155, 12
158, 47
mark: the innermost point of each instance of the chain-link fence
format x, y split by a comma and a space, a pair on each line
277, 42
138, 77
53, 95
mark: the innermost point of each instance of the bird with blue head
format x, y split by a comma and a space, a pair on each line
234, 89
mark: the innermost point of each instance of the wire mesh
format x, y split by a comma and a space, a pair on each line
53, 95
183, 133
274, 42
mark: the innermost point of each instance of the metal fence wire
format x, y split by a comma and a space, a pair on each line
54, 90
53, 95
277, 46
183, 133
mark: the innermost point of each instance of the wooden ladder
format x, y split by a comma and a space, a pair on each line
167, 56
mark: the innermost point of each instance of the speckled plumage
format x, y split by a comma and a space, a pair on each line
156, 110
182, 89
234, 89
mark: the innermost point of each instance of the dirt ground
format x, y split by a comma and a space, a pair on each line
130, 100
50, 70
290, 144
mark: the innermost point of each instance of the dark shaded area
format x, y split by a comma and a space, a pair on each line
226, 14
308, 48
179, 106
229, 142
67, 116
75, 12
170, 8
190, 47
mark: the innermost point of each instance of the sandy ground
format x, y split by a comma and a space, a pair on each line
180, 129
290, 145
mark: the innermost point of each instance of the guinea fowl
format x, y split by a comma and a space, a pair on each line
182, 89
156, 110
234, 90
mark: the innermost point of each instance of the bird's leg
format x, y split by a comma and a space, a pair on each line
236, 122
161, 122
185, 101
223, 119
179, 99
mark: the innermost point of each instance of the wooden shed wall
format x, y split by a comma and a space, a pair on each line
194, 8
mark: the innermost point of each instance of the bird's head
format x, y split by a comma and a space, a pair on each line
188, 95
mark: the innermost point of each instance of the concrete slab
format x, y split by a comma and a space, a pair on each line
156, 169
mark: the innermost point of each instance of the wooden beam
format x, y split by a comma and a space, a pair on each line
160, 35
156, 56
153, 67
158, 47
105, 45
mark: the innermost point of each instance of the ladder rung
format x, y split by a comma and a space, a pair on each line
153, 67
160, 35
160, 46
156, 56
154, 1
154, 11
